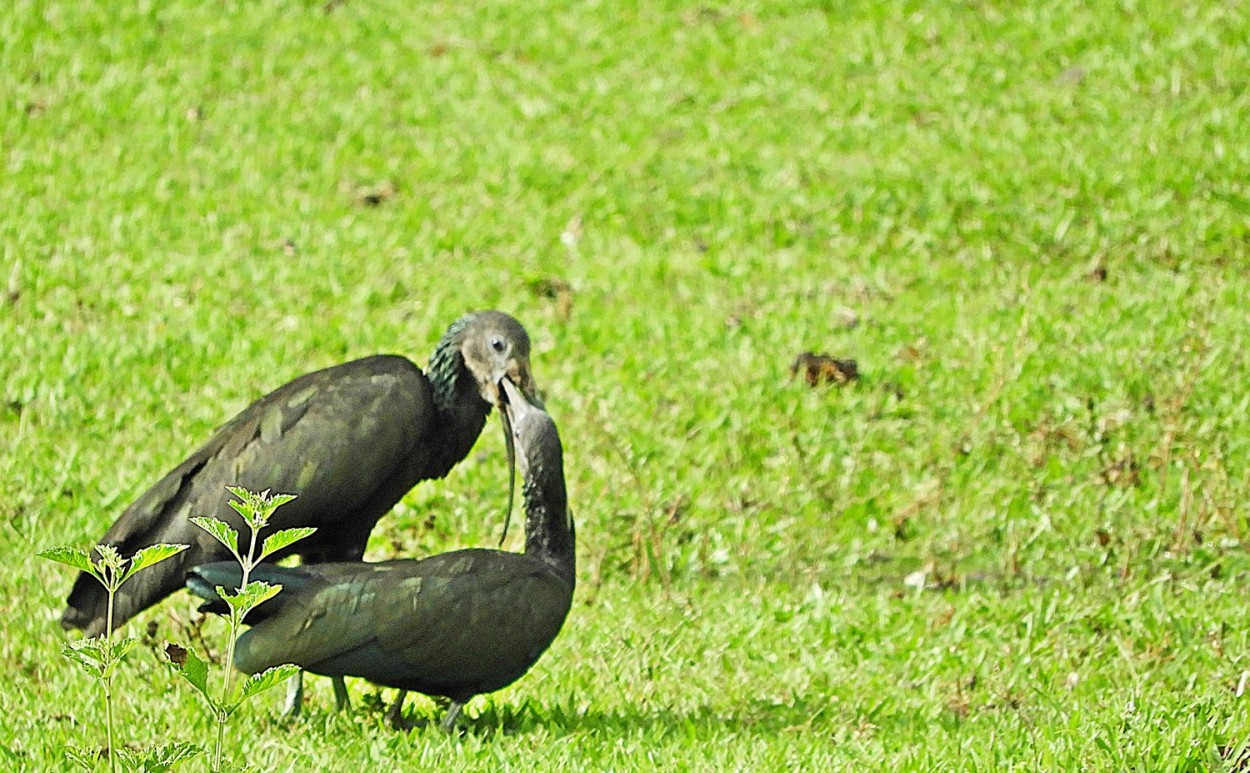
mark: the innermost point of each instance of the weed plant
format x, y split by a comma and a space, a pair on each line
255, 509
99, 656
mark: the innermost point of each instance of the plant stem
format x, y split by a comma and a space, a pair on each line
221, 738
227, 680
236, 622
108, 723
108, 671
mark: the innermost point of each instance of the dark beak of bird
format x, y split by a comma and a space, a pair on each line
515, 394
516, 399
518, 374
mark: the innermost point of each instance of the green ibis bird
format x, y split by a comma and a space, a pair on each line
454, 625
349, 441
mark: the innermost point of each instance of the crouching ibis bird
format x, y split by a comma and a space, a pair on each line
349, 441
453, 625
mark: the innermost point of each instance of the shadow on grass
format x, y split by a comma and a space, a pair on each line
838, 721
484, 717
753, 717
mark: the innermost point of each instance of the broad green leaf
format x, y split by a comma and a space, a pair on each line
153, 554
281, 539
249, 596
257, 683
91, 669
89, 654
246, 495
192, 668
74, 557
275, 501
243, 506
221, 531
122, 647
163, 758
96, 648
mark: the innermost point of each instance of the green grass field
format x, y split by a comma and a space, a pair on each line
1018, 542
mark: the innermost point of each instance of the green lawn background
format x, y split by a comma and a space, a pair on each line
1017, 542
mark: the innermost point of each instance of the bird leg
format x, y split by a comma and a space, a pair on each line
294, 696
341, 701
395, 714
449, 721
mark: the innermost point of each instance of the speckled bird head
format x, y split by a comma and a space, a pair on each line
486, 347
494, 347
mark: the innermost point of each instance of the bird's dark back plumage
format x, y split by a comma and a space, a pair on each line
349, 441
456, 624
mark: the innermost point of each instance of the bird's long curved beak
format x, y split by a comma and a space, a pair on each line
514, 401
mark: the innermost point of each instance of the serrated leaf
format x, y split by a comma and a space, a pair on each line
270, 677
163, 758
95, 648
73, 557
191, 667
91, 669
243, 508
281, 539
256, 507
82, 757
89, 655
249, 596
110, 559
277, 500
246, 495
153, 554
122, 647
221, 531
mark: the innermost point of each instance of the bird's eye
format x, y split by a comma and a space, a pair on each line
497, 344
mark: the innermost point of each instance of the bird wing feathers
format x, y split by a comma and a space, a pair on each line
456, 617
346, 440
